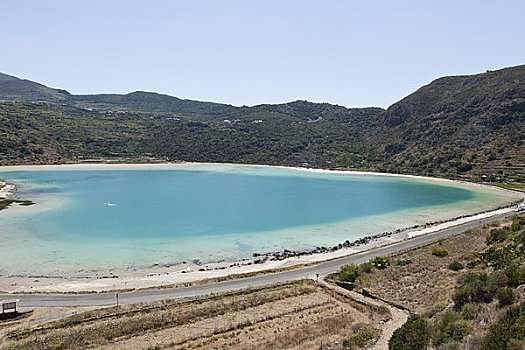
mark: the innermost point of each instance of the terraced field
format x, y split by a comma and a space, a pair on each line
289, 316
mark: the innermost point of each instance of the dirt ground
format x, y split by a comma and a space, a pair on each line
427, 281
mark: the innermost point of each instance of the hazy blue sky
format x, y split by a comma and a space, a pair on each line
353, 53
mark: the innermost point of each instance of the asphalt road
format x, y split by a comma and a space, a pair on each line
321, 269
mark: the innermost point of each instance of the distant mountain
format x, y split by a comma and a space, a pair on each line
5, 77
15, 89
469, 127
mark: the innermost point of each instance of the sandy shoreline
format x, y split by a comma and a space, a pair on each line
158, 276
194, 271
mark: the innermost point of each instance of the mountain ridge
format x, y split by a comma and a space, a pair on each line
469, 127
136, 101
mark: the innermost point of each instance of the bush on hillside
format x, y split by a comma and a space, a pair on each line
469, 311
516, 225
403, 260
366, 267
515, 275
451, 328
475, 288
505, 296
509, 332
381, 262
498, 235
414, 334
361, 338
464, 167
439, 252
349, 273
456, 266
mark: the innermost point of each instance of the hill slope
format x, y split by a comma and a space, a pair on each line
462, 126
459, 124
15, 89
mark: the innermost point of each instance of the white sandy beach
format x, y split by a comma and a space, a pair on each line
189, 272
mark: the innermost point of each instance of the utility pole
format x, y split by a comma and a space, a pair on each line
117, 299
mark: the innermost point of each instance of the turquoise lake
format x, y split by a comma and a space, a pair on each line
172, 213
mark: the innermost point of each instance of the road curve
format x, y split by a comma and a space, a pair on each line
321, 269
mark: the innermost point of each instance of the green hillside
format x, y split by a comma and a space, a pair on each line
470, 127
473, 125
49, 133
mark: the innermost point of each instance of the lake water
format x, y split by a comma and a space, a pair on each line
173, 213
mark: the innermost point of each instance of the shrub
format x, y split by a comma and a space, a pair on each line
505, 296
439, 252
414, 334
460, 297
456, 266
499, 258
366, 267
464, 167
473, 264
516, 225
403, 260
435, 309
516, 275
498, 235
507, 332
349, 272
474, 288
360, 338
520, 239
381, 262
498, 279
450, 328
451, 345
469, 311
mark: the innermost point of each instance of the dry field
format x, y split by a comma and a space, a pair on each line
427, 282
299, 315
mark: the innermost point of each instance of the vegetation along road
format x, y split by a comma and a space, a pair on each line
312, 272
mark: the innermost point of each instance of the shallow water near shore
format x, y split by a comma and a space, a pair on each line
171, 213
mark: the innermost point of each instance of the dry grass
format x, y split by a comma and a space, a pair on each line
285, 316
427, 282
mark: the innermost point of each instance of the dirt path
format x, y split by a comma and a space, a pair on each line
397, 317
